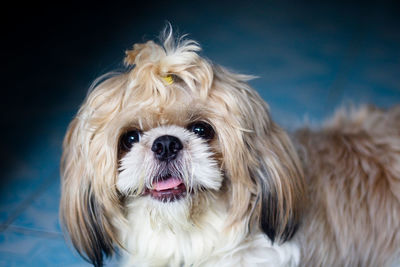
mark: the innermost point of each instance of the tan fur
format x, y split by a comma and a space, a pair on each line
353, 175
351, 169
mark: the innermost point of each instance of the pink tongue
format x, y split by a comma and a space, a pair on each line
167, 184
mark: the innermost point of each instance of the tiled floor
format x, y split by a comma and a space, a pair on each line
310, 59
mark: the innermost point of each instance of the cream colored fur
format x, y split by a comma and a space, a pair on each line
204, 241
248, 202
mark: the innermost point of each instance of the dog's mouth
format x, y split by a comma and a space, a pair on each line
167, 189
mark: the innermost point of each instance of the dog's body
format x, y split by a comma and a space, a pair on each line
178, 163
352, 171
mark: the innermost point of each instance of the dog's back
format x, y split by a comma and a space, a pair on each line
352, 170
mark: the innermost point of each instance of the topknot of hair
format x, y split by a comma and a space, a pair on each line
177, 56
172, 51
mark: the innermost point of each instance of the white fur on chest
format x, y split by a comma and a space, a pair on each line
153, 240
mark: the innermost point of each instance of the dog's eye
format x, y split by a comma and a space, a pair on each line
202, 129
128, 139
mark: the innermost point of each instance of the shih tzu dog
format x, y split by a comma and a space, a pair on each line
176, 162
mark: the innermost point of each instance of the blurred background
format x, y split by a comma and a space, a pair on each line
311, 57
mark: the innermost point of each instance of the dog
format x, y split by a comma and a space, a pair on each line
177, 162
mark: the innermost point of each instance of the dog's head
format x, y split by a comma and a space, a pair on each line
175, 132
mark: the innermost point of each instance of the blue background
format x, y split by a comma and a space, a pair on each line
311, 57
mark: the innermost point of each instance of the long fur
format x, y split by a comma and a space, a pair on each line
248, 203
353, 176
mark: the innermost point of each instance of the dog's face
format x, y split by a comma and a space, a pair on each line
168, 162
173, 133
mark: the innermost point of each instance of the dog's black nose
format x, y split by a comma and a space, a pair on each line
166, 147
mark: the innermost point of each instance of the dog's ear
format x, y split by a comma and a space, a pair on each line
279, 180
82, 217
259, 158
276, 171
81, 214
89, 198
